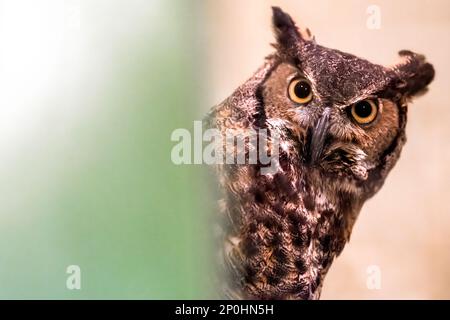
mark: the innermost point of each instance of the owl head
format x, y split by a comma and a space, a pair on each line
345, 114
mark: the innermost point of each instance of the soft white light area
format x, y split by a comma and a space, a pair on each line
61, 67
34, 40
40, 63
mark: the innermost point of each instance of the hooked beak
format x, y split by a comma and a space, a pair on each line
317, 136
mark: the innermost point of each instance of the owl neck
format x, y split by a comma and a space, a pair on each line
287, 228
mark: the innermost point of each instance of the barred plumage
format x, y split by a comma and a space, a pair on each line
283, 229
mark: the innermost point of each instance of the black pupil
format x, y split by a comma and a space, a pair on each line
363, 109
302, 89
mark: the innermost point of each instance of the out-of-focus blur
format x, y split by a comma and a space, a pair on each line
400, 246
90, 93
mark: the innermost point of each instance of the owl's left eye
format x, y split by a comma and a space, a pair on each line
364, 112
300, 91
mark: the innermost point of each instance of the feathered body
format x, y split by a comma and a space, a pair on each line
282, 230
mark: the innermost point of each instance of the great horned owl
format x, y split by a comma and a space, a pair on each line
341, 124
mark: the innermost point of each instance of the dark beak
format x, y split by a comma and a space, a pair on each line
317, 137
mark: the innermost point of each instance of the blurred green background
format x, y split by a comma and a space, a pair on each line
91, 91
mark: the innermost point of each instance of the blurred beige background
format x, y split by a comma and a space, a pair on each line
404, 229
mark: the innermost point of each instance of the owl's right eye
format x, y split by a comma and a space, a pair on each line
300, 91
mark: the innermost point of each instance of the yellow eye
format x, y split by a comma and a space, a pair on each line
364, 112
300, 91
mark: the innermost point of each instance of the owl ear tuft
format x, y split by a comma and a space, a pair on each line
281, 20
412, 73
286, 31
